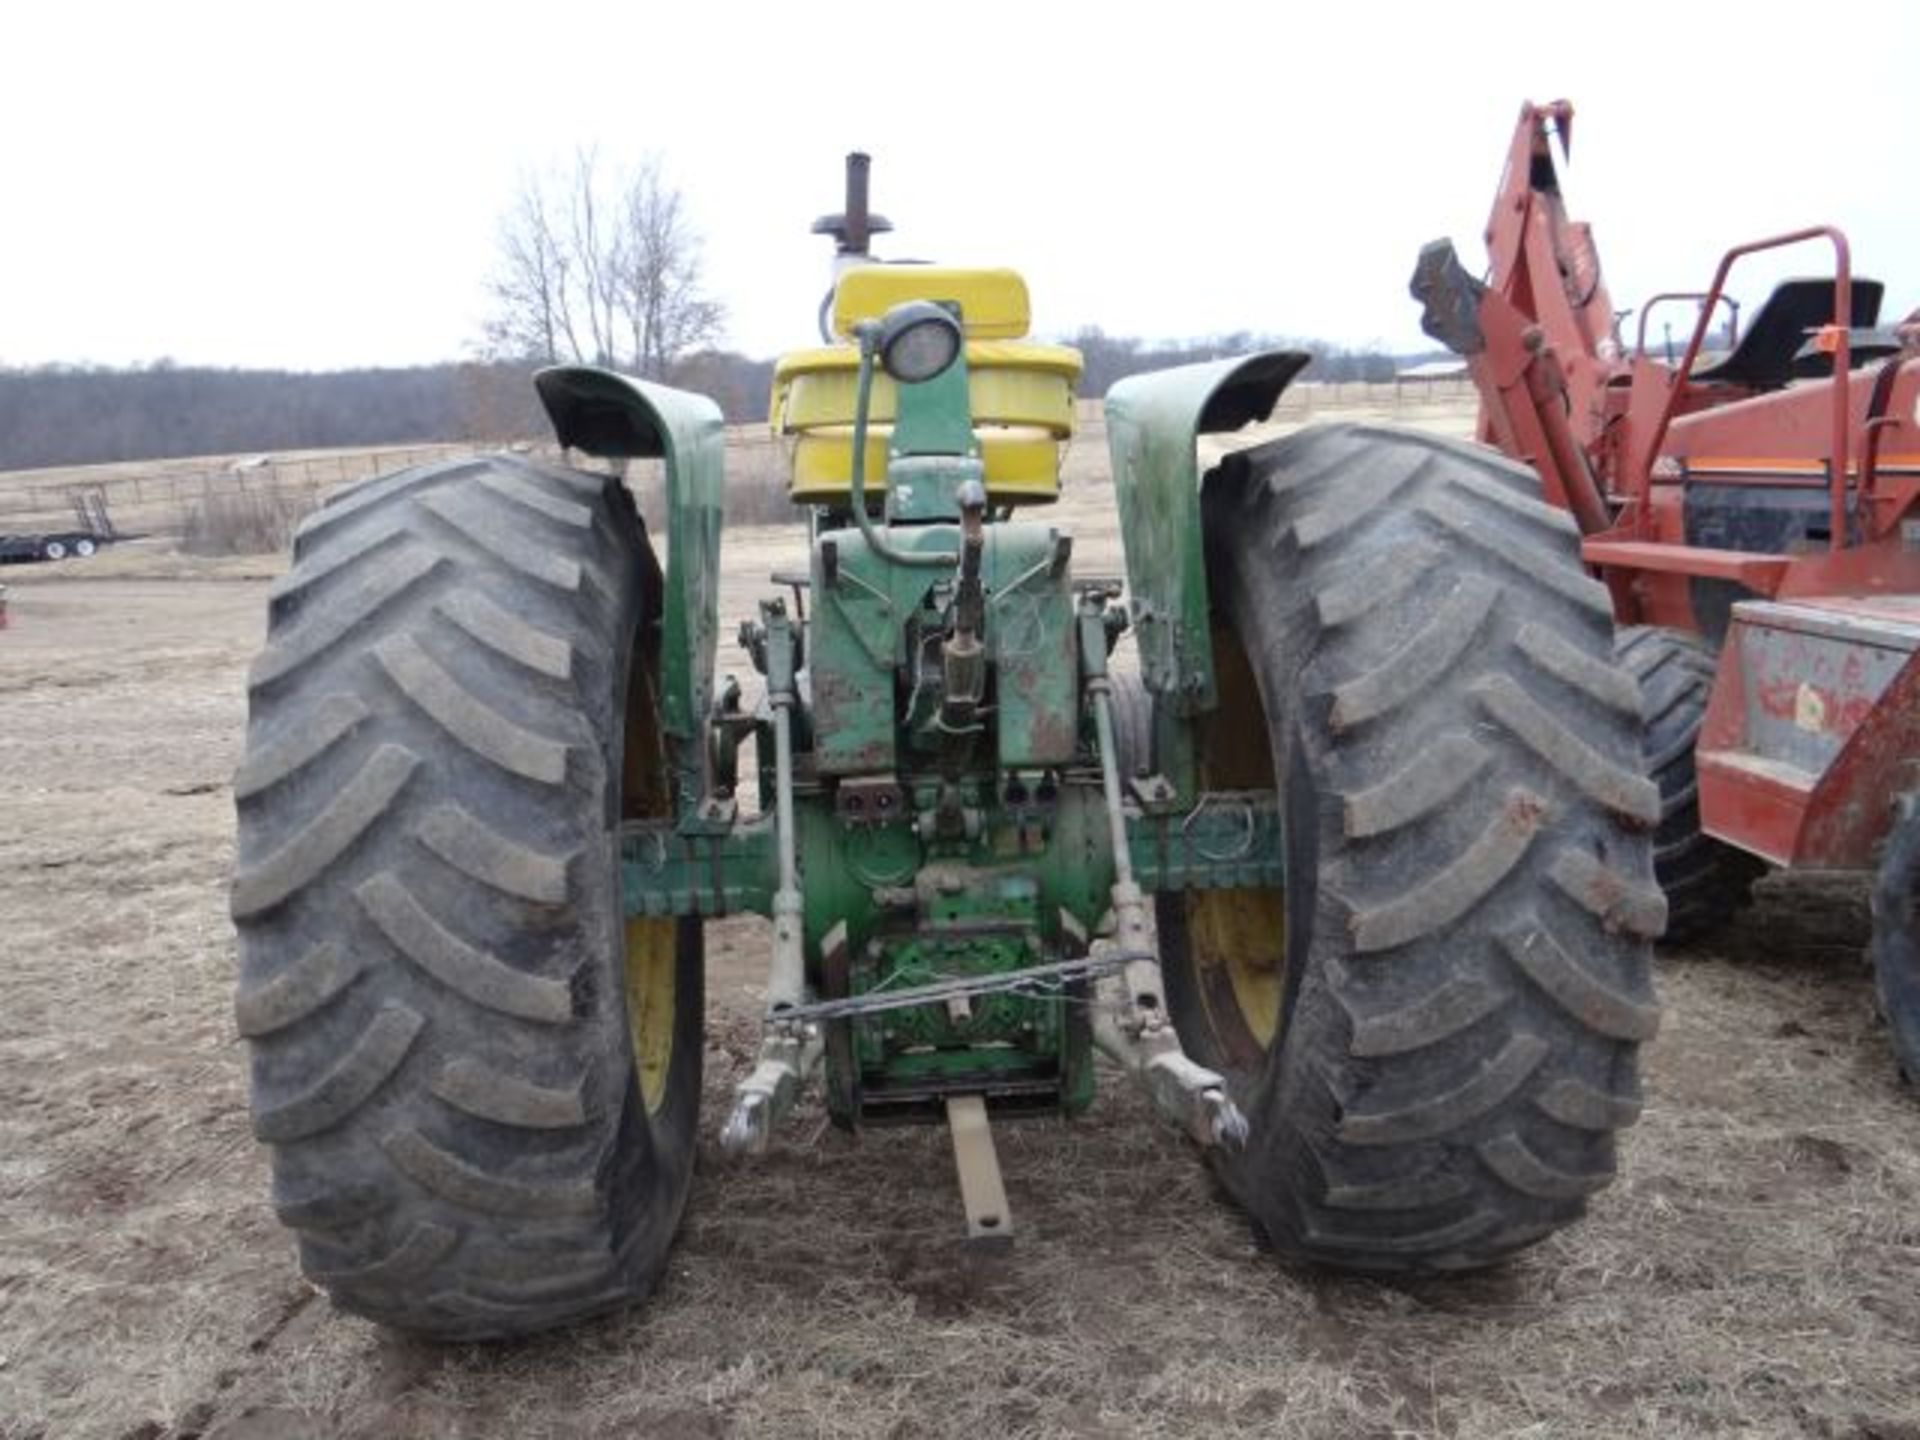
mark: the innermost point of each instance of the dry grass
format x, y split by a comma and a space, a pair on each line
1756, 1272
257, 522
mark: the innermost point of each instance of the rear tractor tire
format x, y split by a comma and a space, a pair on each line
1433, 1030
479, 1083
1706, 880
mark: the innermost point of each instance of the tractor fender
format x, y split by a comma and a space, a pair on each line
1154, 422
619, 418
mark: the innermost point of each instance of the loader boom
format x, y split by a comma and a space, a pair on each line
1712, 489
1547, 266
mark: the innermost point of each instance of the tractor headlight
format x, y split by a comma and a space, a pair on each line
918, 340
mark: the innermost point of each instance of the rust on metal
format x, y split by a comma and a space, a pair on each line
1815, 713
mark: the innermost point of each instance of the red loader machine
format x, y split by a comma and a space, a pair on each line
1754, 517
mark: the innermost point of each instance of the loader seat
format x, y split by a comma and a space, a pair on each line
1021, 393
1765, 356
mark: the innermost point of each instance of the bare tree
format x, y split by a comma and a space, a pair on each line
594, 239
530, 285
599, 268
659, 270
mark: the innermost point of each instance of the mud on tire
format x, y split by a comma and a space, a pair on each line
433, 967
1436, 1040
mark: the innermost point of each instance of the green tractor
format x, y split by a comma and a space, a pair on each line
1353, 875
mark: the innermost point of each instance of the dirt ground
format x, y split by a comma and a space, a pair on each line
1756, 1271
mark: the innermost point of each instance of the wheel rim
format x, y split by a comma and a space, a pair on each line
651, 943
1232, 938
651, 950
1236, 939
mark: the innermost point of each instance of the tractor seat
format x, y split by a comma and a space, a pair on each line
1770, 350
1021, 393
993, 303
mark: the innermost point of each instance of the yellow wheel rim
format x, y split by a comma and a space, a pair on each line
652, 947
1236, 938
650, 986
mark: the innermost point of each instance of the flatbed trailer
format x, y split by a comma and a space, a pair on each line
33, 546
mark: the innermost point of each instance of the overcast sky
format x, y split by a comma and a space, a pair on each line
316, 185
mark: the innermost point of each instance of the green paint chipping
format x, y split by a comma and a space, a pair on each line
1154, 422
618, 418
944, 829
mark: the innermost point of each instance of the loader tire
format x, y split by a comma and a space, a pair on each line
1896, 933
1433, 1031
1706, 880
479, 1085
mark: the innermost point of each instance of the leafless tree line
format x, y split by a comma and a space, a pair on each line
83, 415
80, 415
600, 267
1108, 358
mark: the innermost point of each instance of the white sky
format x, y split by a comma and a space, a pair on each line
316, 185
